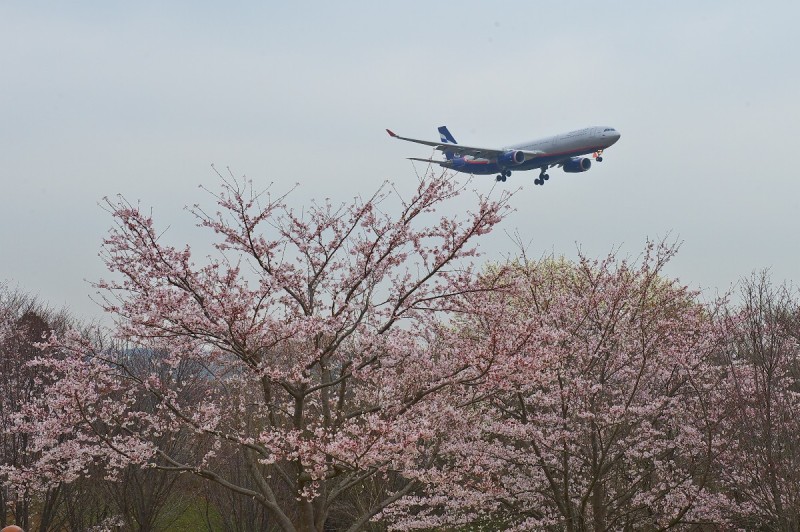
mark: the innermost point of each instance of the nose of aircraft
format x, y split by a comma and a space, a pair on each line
611, 135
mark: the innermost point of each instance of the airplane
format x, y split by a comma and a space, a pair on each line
563, 150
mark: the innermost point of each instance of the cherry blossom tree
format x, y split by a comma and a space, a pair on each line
601, 410
150, 498
763, 359
24, 323
318, 332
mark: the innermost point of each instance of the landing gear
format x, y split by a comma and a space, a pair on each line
503, 175
598, 156
541, 179
500, 177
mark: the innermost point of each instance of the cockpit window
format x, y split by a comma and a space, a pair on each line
608, 129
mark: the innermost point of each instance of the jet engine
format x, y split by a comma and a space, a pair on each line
511, 158
577, 164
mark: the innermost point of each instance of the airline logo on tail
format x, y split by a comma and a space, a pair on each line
445, 135
447, 138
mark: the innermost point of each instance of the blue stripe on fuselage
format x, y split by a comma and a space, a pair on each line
485, 167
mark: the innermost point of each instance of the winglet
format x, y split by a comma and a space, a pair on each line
391, 133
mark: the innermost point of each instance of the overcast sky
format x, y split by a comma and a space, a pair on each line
139, 98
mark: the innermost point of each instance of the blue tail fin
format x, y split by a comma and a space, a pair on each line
445, 135
446, 138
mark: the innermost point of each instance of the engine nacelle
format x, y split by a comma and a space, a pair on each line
511, 158
577, 164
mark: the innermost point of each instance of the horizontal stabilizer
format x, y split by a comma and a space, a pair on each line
430, 161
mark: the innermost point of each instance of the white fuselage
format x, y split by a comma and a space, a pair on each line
578, 142
551, 151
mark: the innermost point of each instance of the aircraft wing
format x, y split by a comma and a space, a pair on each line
460, 150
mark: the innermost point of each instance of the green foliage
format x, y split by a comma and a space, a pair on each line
198, 516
